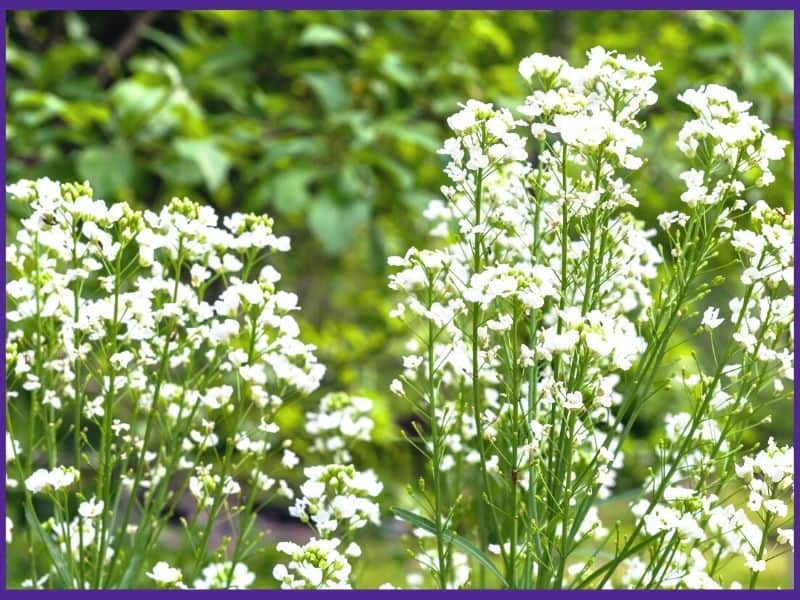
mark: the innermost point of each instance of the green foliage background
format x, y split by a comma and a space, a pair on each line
330, 122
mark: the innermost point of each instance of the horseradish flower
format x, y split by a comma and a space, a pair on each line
165, 575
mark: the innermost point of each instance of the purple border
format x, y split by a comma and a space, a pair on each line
796, 415
410, 5
3, 298
404, 4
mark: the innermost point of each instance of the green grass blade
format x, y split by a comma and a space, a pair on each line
461, 542
59, 562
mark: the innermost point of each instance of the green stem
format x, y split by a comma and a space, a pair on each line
106, 435
441, 549
762, 547
151, 414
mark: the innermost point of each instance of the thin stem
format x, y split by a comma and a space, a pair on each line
441, 549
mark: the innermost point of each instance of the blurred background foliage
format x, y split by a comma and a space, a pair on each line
329, 121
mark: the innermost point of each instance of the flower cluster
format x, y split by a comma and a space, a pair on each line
724, 129
543, 321
342, 419
165, 575
157, 349
768, 473
337, 496
150, 353
225, 575
315, 565
335, 500
59, 478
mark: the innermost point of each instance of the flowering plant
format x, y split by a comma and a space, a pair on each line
546, 321
150, 356
147, 360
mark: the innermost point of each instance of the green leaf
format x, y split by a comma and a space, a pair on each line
109, 168
354, 181
395, 172
85, 114
207, 156
153, 109
319, 34
330, 90
288, 191
139, 105
783, 72
231, 58
132, 569
419, 133
394, 67
334, 225
35, 108
56, 556
179, 172
487, 30
461, 542
174, 46
288, 150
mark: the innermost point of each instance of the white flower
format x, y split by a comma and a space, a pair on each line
316, 565
573, 401
754, 564
541, 65
199, 274
312, 489
667, 219
163, 574
43, 480
221, 331
338, 497
411, 362
13, 448
224, 575
397, 387
290, 460
777, 507
91, 509
786, 536
711, 318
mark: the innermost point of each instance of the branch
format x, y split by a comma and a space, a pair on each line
125, 46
